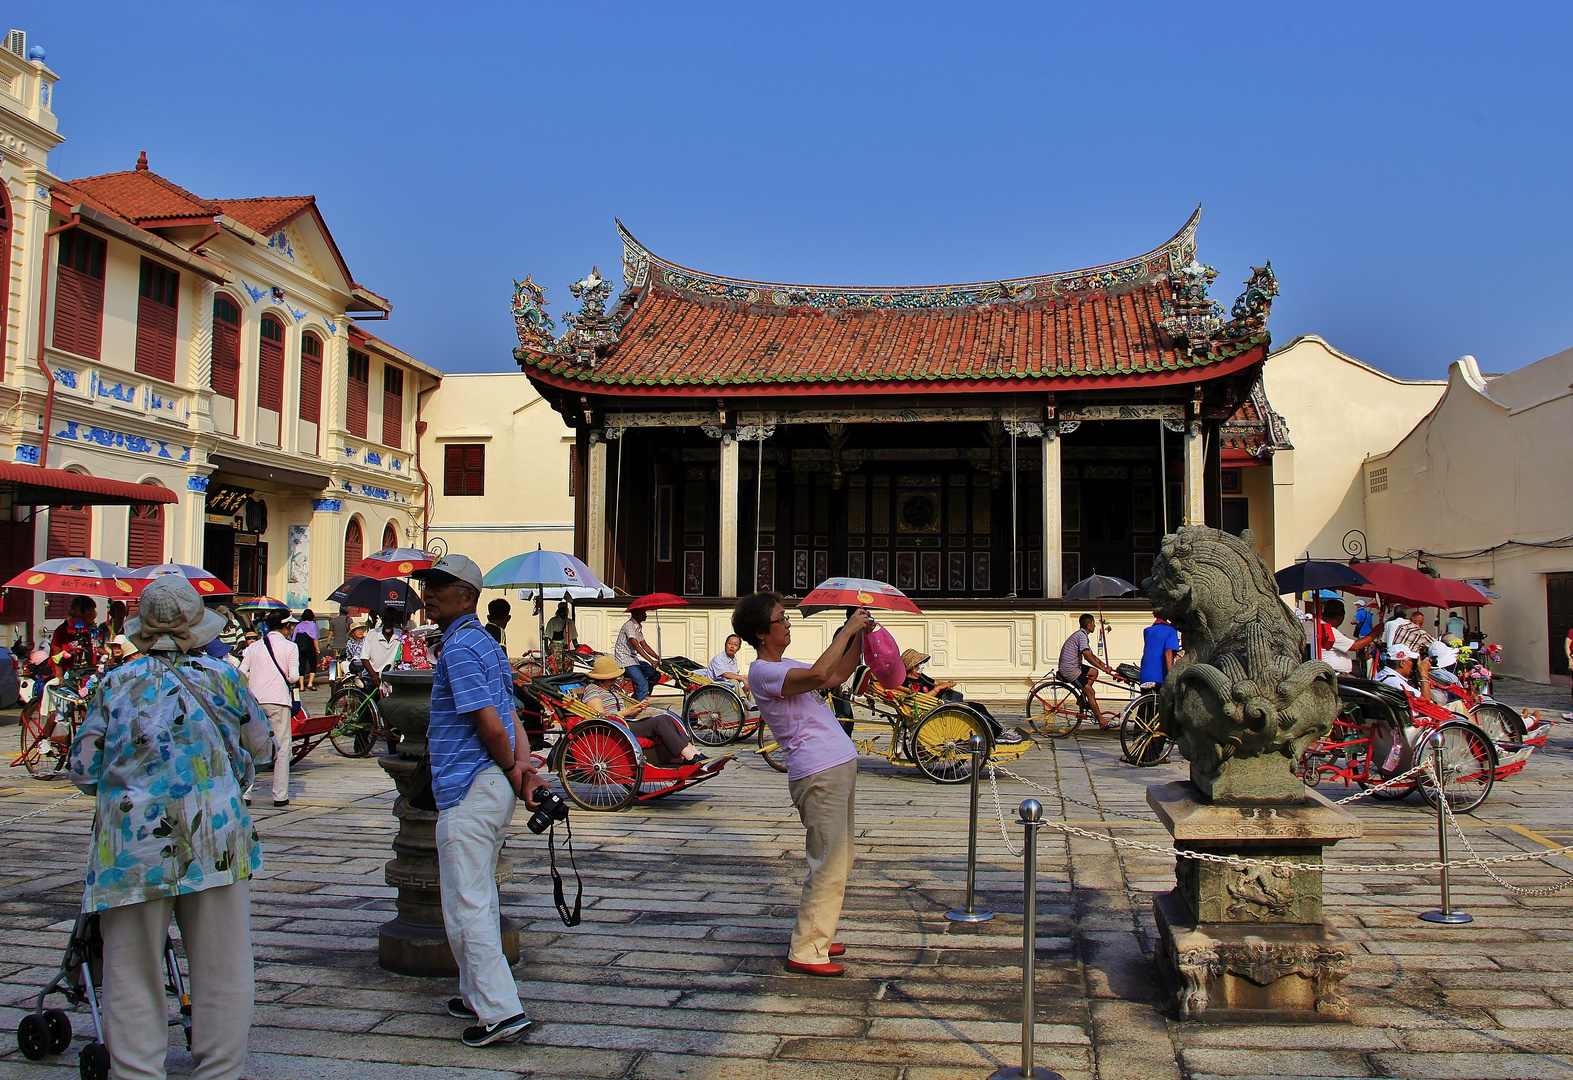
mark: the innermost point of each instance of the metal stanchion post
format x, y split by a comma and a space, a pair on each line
1031, 821
969, 913
1445, 914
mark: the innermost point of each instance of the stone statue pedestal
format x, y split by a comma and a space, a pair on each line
1250, 943
415, 942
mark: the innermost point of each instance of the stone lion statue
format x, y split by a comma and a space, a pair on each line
1241, 703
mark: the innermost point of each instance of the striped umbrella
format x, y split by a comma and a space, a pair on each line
90, 577
392, 562
263, 605
205, 583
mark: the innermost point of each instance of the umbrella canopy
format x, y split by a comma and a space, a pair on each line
392, 562
1099, 587
1392, 581
262, 605
375, 594
205, 583
90, 577
566, 592
1312, 574
845, 592
1461, 593
540, 569
657, 600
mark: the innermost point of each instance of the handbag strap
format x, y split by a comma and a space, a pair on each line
267, 645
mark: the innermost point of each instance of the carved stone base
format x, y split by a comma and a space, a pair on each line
1231, 972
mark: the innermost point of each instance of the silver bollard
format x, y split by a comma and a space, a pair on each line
1031, 820
1445, 914
969, 913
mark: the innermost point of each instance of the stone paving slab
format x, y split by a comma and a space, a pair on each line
676, 973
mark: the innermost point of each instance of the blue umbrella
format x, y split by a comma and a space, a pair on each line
540, 569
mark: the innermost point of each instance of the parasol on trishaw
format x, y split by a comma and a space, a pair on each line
540, 569
846, 592
1392, 581
655, 602
1315, 576
90, 577
205, 583
1100, 587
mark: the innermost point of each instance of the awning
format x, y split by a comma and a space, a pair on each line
29, 485
254, 470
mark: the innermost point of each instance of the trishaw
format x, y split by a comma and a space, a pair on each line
922, 732
1381, 732
49, 723
716, 713
601, 763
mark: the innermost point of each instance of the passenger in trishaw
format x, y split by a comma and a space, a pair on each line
723, 665
664, 729
1401, 667
918, 680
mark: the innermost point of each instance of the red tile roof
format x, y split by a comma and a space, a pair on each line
137, 196
268, 213
1254, 431
676, 328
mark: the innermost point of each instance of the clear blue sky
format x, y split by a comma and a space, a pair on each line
1404, 166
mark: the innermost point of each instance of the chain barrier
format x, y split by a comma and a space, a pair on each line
1239, 863
1067, 798
41, 810
1476, 860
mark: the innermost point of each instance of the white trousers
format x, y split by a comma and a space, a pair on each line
215, 926
280, 722
469, 840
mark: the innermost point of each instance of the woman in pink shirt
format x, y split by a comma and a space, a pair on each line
821, 763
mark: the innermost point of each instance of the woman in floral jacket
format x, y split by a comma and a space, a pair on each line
167, 747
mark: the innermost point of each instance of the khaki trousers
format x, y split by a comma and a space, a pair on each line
825, 804
280, 722
469, 840
215, 926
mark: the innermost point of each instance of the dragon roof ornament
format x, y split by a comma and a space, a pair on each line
590, 330
1193, 319
643, 269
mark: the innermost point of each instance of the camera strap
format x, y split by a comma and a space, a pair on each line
570, 918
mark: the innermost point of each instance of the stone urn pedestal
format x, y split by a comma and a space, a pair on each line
1249, 943
415, 942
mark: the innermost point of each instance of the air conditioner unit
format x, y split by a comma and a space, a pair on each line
16, 41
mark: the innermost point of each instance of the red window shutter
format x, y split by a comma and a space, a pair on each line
155, 339
16, 555
392, 406
359, 394
79, 313
354, 547
68, 531
311, 379
270, 366
464, 470
225, 378
145, 536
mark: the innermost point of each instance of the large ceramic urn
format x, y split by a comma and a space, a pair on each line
415, 942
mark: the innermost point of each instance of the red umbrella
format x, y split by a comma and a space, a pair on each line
392, 562
1392, 581
845, 592
657, 600
91, 577
1461, 593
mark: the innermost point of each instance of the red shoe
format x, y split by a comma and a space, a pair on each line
825, 970
837, 949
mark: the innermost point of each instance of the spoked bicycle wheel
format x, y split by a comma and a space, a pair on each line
1503, 724
599, 765
774, 753
355, 733
714, 715
1053, 710
1142, 742
939, 743
1469, 766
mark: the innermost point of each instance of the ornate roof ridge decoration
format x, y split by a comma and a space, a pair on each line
1195, 322
1256, 427
642, 269
590, 331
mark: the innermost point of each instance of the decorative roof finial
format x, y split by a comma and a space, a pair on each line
36, 54
142, 162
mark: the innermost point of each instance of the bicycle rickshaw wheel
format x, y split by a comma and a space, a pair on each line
599, 766
1053, 710
355, 733
774, 754
939, 743
1499, 721
714, 715
1469, 766
1142, 742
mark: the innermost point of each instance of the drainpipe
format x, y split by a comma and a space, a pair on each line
43, 317
420, 429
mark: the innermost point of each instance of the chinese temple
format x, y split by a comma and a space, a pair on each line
973, 441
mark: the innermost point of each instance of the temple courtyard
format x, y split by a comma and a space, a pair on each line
676, 973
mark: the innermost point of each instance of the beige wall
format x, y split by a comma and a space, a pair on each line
1488, 466
526, 501
1338, 411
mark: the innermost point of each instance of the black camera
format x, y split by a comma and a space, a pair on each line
550, 809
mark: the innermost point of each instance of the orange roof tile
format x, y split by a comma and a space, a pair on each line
138, 196
267, 213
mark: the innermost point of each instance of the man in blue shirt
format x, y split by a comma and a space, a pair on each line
1160, 647
1365, 625
476, 780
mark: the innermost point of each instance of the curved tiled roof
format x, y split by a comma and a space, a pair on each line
266, 213
676, 328
137, 196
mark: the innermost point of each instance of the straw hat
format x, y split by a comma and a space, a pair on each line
171, 618
605, 669
912, 658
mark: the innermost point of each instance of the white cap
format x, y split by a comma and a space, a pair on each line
1402, 652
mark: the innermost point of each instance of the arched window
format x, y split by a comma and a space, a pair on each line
390, 536
270, 365
145, 536
69, 529
354, 545
224, 366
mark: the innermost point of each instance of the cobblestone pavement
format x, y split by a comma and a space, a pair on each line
676, 972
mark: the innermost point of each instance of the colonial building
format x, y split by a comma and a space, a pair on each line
210, 347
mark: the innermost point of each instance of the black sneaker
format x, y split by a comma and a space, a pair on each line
486, 1034
457, 1007
279, 804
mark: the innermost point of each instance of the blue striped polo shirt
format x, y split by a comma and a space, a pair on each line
471, 674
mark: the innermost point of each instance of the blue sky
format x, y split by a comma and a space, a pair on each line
1404, 166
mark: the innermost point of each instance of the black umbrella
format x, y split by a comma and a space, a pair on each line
375, 595
1100, 587
1313, 576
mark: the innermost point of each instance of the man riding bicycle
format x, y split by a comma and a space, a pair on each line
1077, 664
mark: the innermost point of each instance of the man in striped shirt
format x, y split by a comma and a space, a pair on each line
476, 780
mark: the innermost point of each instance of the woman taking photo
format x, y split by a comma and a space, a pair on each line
821, 763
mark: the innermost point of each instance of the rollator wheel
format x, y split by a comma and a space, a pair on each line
93, 1062
715, 716
32, 1037
59, 1025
